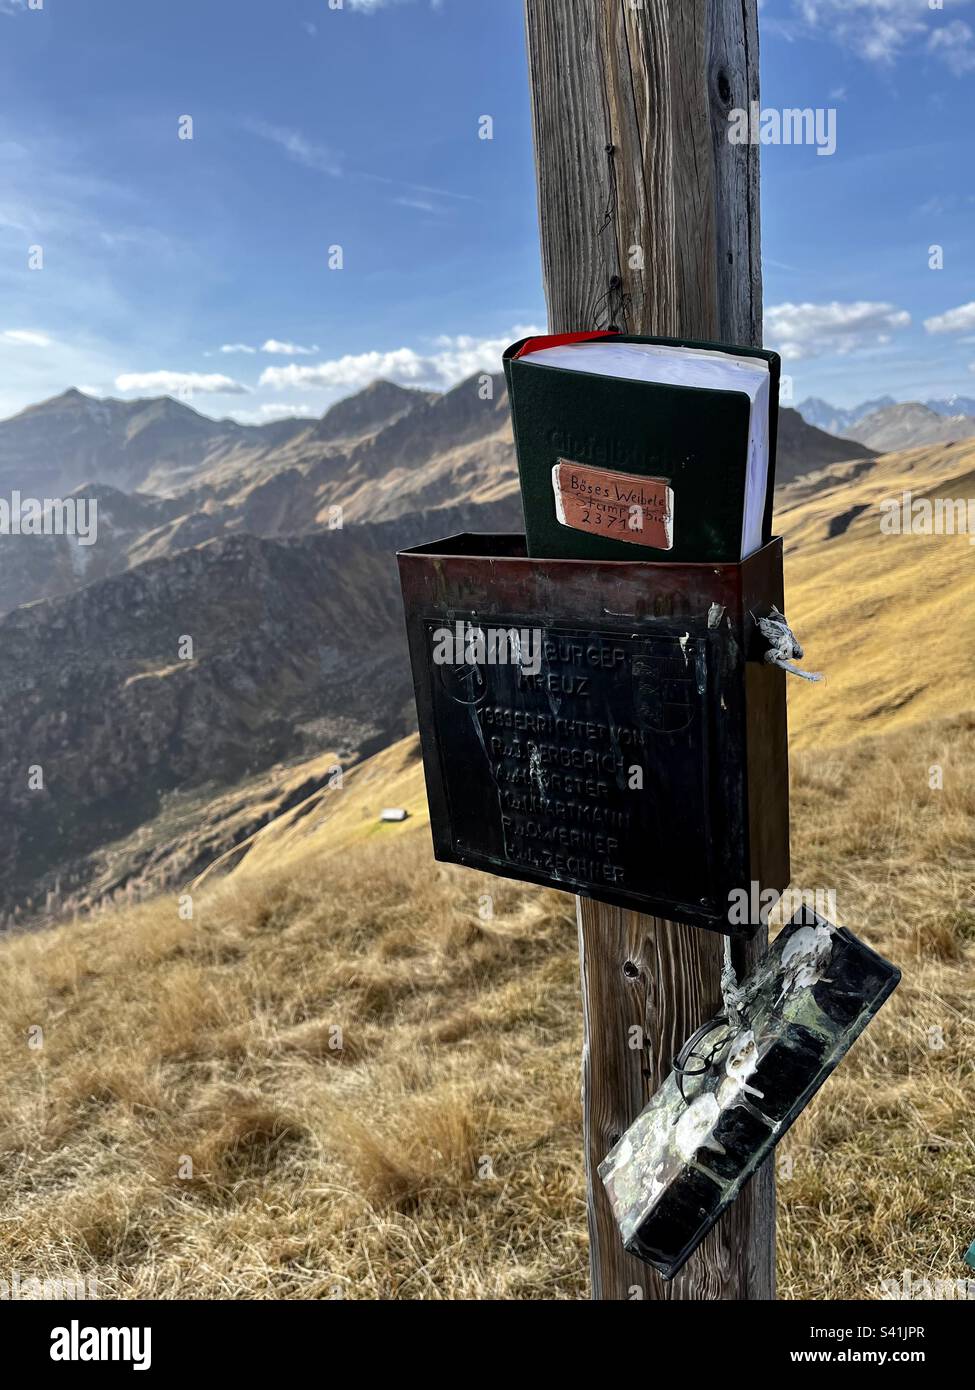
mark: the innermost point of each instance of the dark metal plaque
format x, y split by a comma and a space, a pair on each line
628, 744
586, 765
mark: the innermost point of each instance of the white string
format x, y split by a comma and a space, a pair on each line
783, 650
730, 993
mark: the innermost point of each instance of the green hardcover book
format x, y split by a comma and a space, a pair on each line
636, 447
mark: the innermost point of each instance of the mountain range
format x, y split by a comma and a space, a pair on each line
238, 616
166, 478
884, 424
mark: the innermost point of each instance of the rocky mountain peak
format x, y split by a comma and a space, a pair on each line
378, 405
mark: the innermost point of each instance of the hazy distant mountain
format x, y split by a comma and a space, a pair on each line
953, 405
908, 425
51, 448
804, 449
166, 478
886, 424
835, 419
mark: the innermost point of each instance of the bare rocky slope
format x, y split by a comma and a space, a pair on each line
297, 648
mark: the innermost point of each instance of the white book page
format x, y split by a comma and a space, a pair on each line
698, 367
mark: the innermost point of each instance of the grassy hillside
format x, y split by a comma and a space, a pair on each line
343, 1077
887, 618
436, 1152
335, 817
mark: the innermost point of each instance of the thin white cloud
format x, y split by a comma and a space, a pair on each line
882, 31
274, 347
958, 320
141, 241
419, 204
278, 349
298, 147
939, 204
181, 383
811, 330
301, 150
421, 188
370, 6
954, 44
27, 337
454, 359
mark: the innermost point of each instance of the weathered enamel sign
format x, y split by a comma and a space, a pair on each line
739, 1085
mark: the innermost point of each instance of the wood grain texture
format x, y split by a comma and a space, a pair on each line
663, 979
629, 109
649, 221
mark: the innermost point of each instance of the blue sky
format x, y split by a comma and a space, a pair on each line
357, 127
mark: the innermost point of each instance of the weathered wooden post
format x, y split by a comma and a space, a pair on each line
650, 222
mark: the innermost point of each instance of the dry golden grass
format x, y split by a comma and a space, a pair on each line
883, 1161
431, 1147
886, 617
357, 1163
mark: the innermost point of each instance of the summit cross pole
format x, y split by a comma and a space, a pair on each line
649, 220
